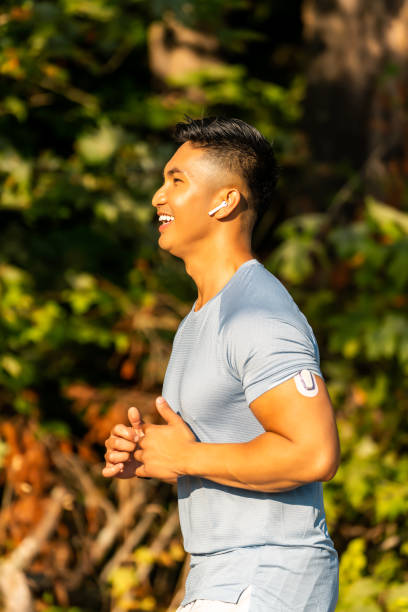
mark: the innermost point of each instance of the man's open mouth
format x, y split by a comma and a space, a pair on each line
165, 220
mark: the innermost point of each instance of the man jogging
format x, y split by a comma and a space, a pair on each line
249, 429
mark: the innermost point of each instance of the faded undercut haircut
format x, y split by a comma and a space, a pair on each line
240, 148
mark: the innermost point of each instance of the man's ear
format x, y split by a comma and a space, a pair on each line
233, 199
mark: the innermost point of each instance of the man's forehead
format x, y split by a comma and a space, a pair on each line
186, 159
201, 165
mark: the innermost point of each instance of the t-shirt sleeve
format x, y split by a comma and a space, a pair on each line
263, 352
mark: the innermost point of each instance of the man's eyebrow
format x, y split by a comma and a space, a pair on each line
173, 171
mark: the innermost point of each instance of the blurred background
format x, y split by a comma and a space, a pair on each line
89, 93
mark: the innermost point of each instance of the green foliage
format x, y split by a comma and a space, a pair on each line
79, 163
84, 291
359, 276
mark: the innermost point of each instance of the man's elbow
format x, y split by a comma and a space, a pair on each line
328, 467
330, 472
327, 464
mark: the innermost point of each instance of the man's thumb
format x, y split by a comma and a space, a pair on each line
134, 417
166, 412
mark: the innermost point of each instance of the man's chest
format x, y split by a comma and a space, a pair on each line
201, 387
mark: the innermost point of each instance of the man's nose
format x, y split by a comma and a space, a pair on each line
159, 197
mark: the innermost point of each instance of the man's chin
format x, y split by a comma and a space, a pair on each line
180, 253
165, 245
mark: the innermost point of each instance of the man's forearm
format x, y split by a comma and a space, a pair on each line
268, 463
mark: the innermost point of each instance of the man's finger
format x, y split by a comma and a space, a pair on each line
138, 455
111, 470
117, 457
134, 417
122, 431
141, 472
166, 412
120, 444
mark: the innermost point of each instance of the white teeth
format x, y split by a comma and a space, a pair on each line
166, 218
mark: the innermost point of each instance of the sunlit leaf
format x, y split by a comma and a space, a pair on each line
98, 146
392, 222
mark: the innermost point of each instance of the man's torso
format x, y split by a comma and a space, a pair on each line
212, 376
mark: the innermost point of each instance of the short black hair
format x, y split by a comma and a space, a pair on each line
242, 149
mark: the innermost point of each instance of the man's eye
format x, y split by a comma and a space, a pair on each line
177, 180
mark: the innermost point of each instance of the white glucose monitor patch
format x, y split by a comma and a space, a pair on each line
306, 383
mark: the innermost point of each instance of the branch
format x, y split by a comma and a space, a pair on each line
70, 92
16, 595
13, 583
180, 587
93, 497
160, 542
22, 556
131, 542
115, 525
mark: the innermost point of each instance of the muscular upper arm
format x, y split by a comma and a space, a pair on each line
306, 421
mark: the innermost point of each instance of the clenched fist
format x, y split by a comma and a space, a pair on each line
164, 451
120, 447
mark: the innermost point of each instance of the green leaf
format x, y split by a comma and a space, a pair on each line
397, 598
391, 221
99, 145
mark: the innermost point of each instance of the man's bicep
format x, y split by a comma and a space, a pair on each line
263, 351
292, 412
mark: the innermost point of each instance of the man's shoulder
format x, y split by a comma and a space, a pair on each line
259, 294
259, 310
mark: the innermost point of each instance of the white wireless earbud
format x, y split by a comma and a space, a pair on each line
214, 210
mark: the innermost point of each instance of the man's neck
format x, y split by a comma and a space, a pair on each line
211, 270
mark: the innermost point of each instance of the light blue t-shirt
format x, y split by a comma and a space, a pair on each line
247, 339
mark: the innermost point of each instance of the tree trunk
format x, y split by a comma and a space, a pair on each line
357, 83
175, 50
